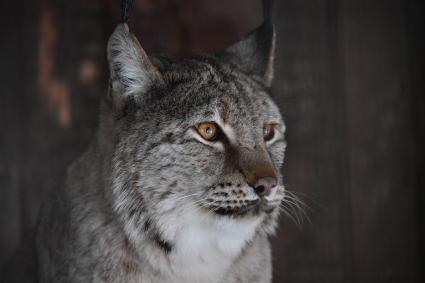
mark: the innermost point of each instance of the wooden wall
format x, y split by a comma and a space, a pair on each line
349, 81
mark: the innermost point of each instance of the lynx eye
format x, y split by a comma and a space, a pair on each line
268, 132
209, 131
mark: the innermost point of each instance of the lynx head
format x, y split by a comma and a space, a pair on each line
194, 136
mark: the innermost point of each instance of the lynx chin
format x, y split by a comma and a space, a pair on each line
181, 182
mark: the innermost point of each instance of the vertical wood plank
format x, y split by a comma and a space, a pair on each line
385, 239
307, 88
17, 57
415, 23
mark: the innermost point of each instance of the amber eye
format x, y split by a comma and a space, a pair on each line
268, 132
209, 131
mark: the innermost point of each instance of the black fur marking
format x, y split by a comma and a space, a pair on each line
172, 185
132, 212
147, 224
130, 108
167, 247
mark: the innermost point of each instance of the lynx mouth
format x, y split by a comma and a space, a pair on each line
248, 207
225, 199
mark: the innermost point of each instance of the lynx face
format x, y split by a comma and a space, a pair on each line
198, 136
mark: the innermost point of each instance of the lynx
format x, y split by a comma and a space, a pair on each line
181, 182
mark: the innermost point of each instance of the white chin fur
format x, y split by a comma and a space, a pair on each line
205, 245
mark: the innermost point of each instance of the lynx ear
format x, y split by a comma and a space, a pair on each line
132, 73
255, 52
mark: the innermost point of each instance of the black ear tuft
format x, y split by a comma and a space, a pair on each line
255, 52
125, 10
267, 10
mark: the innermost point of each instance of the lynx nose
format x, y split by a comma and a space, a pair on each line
264, 185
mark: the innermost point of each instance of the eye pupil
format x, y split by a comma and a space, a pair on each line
268, 132
209, 131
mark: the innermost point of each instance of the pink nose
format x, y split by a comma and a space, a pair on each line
264, 185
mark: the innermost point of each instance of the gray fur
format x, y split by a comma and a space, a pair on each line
149, 201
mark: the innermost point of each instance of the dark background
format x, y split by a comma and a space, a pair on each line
349, 80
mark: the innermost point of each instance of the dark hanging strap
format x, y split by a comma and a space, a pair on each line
125, 10
267, 11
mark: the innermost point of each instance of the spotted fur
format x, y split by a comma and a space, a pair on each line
150, 200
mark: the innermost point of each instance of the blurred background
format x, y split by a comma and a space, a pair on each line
349, 80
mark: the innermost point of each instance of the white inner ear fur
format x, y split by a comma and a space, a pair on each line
131, 71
